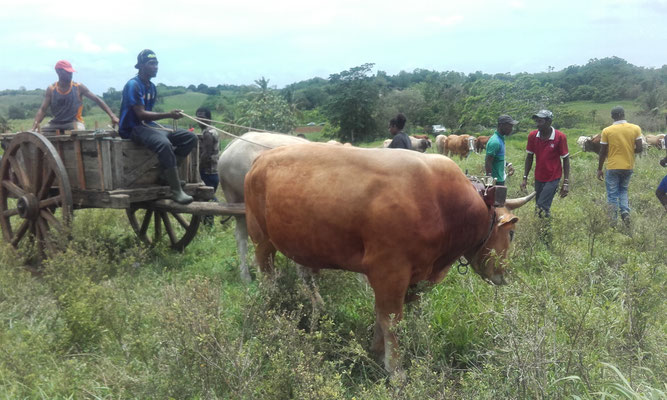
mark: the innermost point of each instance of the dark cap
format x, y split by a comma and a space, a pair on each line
546, 114
506, 119
144, 57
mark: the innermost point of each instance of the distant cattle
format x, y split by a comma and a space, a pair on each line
419, 145
440, 143
590, 144
233, 164
480, 143
359, 210
657, 141
460, 145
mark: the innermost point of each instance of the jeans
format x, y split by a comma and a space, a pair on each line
212, 180
617, 182
545, 192
167, 144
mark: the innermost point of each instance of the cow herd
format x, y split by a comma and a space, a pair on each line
592, 143
448, 145
331, 206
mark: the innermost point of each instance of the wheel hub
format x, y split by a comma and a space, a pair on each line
28, 206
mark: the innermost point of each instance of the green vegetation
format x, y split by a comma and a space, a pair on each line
357, 104
584, 319
111, 319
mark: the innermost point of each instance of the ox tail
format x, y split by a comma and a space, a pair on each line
511, 204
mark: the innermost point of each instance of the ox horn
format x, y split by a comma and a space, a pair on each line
511, 204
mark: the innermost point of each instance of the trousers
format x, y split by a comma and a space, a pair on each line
617, 182
544, 196
166, 143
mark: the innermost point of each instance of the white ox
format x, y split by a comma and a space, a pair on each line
441, 143
233, 165
419, 145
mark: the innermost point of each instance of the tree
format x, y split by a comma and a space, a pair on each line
4, 125
267, 110
353, 102
410, 102
16, 112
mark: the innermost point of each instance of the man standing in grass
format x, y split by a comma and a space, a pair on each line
549, 146
494, 164
65, 99
619, 142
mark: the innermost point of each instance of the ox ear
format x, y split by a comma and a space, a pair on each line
507, 219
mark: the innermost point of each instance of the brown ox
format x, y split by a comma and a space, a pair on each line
480, 143
359, 210
421, 137
458, 144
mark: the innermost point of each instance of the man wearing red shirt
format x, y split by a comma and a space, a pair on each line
550, 148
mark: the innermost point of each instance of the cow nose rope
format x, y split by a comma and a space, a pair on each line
463, 263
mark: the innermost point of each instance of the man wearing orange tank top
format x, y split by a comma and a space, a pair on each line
65, 99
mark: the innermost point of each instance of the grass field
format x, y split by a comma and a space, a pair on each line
583, 319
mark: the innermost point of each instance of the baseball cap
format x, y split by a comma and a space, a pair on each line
144, 57
62, 64
506, 119
546, 114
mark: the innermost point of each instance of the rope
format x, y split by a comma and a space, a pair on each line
227, 133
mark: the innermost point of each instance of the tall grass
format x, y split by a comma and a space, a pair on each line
584, 318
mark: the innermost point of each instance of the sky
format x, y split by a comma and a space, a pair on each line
239, 41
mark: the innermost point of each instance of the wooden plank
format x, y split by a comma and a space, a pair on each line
135, 172
107, 176
200, 207
117, 162
79, 164
60, 148
99, 161
98, 199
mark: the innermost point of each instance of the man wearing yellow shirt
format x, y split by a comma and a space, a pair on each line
619, 142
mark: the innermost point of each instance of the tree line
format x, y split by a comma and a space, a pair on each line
356, 104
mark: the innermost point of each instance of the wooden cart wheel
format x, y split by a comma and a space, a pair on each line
152, 225
35, 194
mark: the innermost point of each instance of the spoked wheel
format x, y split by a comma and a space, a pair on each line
152, 225
35, 195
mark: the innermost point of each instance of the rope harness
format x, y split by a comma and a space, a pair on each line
463, 262
199, 121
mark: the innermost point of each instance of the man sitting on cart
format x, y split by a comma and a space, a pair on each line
65, 99
137, 118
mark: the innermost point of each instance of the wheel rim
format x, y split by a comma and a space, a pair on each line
35, 194
152, 226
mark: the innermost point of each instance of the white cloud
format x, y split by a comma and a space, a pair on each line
86, 44
447, 21
54, 44
115, 48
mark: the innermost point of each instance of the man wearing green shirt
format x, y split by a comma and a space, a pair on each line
495, 149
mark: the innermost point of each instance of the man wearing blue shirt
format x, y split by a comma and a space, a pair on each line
137, 123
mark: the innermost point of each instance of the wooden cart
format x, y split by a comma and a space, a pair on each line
45, 177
